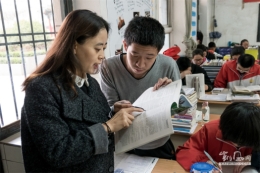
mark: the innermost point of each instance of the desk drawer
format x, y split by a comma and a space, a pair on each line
13, 153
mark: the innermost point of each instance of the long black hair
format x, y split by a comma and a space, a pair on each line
240, 124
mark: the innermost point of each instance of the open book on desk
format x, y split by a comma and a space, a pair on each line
243, 98
152, 124
245, 90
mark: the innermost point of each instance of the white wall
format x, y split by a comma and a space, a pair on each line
93, 5
179, 28
236, 23
206, 19
97, 6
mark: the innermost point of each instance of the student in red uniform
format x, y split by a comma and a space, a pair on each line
243, 72
231, 138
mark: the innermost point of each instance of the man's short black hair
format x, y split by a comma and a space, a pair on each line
238, 50
202, 47
197, 52
211, 44
183, 63
145, 31
246, 60
240, 124
200, 37
242, 41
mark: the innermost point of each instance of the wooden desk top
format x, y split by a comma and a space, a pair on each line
200, 124
168, 166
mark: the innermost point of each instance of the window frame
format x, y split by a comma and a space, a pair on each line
14, 127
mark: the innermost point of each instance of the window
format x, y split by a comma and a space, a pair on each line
164, 18
26, 32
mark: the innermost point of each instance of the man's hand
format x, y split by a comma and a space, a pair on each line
161, 82
185, 72
122, 104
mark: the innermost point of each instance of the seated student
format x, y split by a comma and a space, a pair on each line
206, 53
243, 72
127, 76
198, 58
236, 52
186, 67
231, 138
244, 43
212, 47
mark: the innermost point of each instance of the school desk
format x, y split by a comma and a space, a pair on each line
216, 107
168, 166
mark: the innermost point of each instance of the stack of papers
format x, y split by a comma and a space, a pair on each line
188, 91
217, 90
218, 97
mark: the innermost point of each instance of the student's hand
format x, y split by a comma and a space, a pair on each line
214, 170
161, 82
206, 87
184, 73
122, 119
121, 104
245, 161
238, 168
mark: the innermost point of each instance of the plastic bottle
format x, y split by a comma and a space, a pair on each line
205, 111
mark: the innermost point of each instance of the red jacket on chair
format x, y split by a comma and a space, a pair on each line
228, 76
173, 52
209, 138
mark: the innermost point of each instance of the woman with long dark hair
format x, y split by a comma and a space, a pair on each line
66, 125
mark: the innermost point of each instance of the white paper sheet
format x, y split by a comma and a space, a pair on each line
135, 164
218, 97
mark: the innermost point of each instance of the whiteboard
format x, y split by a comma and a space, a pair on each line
119, 13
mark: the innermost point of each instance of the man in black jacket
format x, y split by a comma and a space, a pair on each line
186, 67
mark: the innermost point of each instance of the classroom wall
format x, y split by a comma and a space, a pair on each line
93, 5
179, 27
236, 23
97, 6
205, 22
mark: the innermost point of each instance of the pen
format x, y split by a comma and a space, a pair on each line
153, 160
213, 162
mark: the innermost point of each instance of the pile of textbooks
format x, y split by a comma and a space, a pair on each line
184, 116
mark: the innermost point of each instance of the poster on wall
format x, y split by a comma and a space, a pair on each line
194, 20
119, 13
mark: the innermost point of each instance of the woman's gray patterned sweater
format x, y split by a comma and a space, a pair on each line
61, 134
